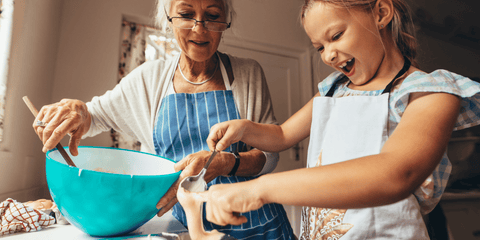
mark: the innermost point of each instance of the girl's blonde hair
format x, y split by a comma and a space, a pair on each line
402, 27
161, 20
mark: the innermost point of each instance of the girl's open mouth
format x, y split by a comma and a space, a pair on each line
347, 67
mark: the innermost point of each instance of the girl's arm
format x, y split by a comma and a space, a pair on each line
410, 154
265, 137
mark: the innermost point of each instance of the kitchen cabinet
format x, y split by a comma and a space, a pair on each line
462, 211
461, 201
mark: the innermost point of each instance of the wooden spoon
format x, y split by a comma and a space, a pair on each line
59, 146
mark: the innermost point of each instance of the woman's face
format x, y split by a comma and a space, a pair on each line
199, 44
347, 40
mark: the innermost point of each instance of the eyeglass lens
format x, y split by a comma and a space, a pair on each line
188, 23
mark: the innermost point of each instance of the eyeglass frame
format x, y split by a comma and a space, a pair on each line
170, 19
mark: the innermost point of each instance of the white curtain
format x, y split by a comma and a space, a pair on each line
6, 17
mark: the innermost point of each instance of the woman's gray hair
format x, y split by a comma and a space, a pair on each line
165, 5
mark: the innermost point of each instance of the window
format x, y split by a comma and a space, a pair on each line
158, 46
6, 17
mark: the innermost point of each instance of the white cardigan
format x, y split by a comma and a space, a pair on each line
132, 106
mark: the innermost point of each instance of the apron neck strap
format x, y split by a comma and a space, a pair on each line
226, 81
388, 88
406, 66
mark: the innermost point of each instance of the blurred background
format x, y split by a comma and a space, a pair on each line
79, 49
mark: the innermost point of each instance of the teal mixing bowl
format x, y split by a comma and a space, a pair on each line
111, 191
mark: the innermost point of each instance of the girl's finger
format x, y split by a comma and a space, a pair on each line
226, 140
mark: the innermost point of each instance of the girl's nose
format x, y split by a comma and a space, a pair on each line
330, 56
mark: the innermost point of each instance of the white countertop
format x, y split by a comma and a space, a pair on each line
167, 223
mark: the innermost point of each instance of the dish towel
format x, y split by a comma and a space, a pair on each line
16, 217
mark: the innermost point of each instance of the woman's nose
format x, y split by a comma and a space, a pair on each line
199, 26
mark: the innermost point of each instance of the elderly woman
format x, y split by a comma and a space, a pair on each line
169, 106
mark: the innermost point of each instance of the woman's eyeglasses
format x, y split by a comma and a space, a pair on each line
190, 23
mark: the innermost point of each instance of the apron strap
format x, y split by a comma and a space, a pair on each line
388, 88
406, 66
226, 81
332, 89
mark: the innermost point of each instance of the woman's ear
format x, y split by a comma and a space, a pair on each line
384, 12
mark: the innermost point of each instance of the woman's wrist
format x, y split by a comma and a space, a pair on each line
232, 172
229, 163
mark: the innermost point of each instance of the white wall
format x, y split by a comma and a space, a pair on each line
32, 63
88, 51
272, 22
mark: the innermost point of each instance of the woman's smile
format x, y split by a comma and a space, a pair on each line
199, 43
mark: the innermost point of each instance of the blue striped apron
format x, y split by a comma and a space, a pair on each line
182, 127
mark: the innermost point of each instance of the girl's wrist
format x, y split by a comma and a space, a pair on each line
260, 189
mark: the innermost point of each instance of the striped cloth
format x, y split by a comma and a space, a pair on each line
430, 192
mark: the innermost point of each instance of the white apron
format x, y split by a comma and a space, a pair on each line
347, 128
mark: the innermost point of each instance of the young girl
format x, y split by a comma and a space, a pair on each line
378, 131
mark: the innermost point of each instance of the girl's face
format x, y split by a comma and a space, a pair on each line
347, 40
198, 43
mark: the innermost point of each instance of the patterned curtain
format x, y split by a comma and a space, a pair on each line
140, 43
132, 55
6, 17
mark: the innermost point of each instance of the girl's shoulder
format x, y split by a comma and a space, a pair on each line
325, 85
441, 81
437, 81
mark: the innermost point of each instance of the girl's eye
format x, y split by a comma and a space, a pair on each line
320, 49
337, 36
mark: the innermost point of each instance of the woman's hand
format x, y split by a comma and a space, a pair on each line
226, 201
191, 165
65, 117
225, 134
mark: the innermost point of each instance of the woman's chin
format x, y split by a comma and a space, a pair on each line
200, 55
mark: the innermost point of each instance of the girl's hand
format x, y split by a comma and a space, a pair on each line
191, 165
65, 117
225, 134
225, 201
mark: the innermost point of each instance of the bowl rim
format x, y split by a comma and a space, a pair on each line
100, 147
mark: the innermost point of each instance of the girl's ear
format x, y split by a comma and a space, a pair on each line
383, 13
